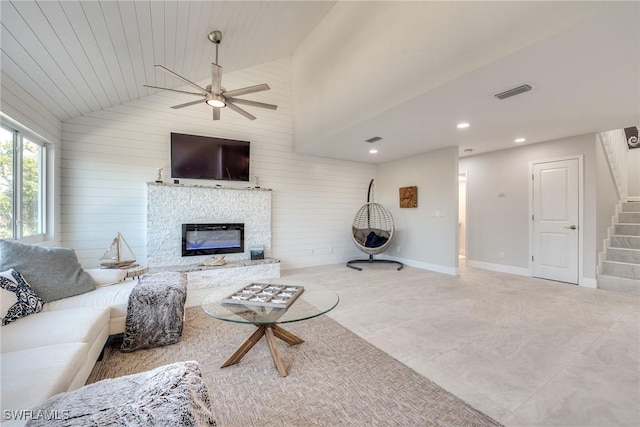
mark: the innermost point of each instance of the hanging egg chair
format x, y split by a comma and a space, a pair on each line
372, 232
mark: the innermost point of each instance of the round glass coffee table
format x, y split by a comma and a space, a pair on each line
314, 301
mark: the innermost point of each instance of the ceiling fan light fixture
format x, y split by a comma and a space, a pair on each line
216, 101
214, 95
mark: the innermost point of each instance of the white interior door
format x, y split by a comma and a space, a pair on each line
555, 220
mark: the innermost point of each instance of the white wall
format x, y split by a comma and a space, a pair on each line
501, 224
18, 104
423, 239
110, 155
24, 109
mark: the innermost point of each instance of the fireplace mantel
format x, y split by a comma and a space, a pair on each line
171, 205
211, 187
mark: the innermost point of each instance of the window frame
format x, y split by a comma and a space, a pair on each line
19, 135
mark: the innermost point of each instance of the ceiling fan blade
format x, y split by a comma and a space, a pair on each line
216, 79
252, 103
246, 90
179, 77
240, 111
173, 90
186, 104
216, 113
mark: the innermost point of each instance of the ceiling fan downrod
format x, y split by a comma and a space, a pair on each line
215, 37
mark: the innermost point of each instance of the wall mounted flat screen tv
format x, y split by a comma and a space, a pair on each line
204, 157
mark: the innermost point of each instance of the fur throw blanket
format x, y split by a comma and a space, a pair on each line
171, 395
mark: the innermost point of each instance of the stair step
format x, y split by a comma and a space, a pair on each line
623, 255
619, 284
631, 207
629, 217
628, 229
626, 242
621, 269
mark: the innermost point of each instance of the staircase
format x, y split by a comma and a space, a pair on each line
621, 266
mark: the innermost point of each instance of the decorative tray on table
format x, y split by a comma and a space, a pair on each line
265, 295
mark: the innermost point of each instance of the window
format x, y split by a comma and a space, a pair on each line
22, 184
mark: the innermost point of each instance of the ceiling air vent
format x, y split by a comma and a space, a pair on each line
374, 139
513, 92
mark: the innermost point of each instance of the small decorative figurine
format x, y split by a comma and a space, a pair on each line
159, 178
257, 182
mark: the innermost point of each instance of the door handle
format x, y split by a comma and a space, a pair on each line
573, 227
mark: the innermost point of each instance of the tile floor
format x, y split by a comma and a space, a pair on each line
528, 352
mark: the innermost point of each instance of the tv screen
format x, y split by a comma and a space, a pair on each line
204, 157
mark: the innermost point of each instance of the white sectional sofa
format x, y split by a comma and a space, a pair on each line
115, 297
54, 350
48, 353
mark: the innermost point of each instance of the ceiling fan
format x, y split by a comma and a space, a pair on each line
214, 94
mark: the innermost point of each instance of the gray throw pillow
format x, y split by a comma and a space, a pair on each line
53, 273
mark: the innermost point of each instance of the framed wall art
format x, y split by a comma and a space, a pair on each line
409, 197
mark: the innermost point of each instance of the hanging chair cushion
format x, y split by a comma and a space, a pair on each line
374, 240
364, 238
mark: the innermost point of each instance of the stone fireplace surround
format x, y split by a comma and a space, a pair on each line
171, 205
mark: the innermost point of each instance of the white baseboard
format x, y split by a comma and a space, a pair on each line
452, 271
501, 268
588, 282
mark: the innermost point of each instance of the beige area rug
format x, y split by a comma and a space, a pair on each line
335, 378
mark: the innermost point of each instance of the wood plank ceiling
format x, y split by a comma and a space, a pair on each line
82, 56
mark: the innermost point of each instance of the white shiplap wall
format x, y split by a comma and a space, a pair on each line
25, 109
110, 155
21, 108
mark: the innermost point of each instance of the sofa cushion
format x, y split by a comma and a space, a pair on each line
25, 300
107, 276
31, 376
82, 325
53, 273
114, 297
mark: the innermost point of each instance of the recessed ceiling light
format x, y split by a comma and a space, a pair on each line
519, 140
374, 139
463, 125
373, 151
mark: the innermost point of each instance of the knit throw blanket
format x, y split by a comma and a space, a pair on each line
171, 395
155, 313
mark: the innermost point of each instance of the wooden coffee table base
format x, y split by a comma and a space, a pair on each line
270, 332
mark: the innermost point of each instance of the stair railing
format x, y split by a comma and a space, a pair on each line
615, 147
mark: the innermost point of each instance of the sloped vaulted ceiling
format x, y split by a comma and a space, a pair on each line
404, 71
80, 56
409, 71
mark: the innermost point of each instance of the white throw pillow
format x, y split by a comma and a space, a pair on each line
107, 276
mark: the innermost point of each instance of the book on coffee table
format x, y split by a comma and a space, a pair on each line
265, 295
